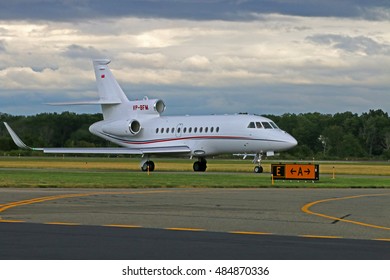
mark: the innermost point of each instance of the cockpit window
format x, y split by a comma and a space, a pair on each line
266, 125
274, 125
251, 125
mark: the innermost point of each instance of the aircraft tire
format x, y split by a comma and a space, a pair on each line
148, 165
200, 166
258, 169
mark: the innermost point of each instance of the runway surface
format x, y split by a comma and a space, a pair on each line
46, 242
195, 224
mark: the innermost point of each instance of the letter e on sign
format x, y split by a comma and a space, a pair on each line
278, 171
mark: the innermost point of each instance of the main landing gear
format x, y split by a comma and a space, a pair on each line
200, 165
148, 166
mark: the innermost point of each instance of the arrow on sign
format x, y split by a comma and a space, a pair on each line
307, 171
292, 171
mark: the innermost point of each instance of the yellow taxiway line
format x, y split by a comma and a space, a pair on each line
306, 210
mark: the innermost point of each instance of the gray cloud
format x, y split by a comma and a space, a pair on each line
77, 51
249, 62
65, 10
2, 46
359, 44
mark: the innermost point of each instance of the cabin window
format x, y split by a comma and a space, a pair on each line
258, 125
185, 130
195, 129
178, 130
217, 129
172, 130
212, 129
251, 125
167, 130
190, 130
156, 130
266, 125
206, 130
201, 130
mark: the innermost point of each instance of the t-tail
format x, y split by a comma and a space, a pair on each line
113, 100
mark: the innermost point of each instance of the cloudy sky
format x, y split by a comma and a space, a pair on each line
200, 57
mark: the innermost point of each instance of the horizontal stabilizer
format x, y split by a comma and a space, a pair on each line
92, 102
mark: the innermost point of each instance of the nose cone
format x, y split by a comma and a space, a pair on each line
291, 141
288, 141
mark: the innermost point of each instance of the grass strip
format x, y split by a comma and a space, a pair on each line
44, 178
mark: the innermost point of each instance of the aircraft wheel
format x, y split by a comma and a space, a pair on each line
148, 165
200, 166
258, 169
197, 166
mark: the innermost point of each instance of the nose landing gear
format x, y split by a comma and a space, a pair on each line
257, 160
258, 169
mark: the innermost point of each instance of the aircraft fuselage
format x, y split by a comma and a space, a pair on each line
204, 135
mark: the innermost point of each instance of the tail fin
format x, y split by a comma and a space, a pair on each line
113, 100
108, 88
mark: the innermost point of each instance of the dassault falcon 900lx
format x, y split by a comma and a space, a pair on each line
139, 128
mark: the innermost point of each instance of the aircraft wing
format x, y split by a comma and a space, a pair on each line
116, 151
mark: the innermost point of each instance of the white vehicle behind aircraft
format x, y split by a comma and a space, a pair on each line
139, 129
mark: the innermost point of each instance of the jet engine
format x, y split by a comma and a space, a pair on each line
122, 128
148, 106
159, 106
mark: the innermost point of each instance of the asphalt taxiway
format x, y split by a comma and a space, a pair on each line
195, 223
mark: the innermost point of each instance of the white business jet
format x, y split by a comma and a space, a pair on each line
139, 128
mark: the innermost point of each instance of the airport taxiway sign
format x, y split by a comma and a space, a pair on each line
295, 171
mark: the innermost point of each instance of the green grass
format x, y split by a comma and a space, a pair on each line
119, 179
164, 164
85, 172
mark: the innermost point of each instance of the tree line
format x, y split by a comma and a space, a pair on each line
321, 136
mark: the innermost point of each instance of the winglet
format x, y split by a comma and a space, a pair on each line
16, 138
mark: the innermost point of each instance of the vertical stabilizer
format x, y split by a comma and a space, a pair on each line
111, 96
108, 88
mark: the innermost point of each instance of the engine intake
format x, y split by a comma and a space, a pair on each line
134, 127
159, 106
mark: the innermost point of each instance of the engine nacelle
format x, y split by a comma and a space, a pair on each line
148, 106
123, 128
